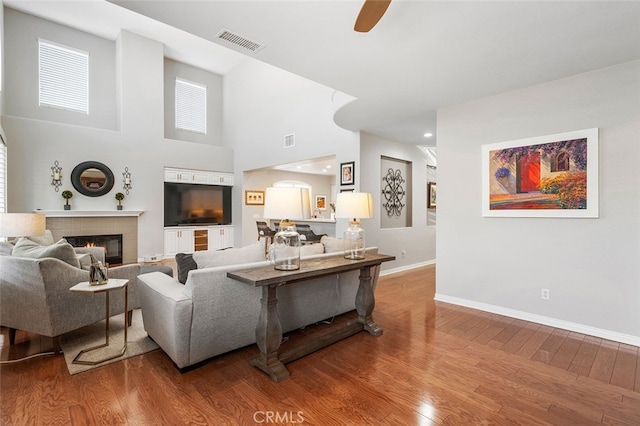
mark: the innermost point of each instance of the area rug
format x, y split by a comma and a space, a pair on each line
138, 342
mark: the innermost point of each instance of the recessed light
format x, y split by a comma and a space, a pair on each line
328, 166
428, 135
299, 167
324, 170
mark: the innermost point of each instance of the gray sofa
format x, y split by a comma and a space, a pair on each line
212, 314
35, 296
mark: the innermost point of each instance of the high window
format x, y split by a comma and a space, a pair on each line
191, 106
63, 77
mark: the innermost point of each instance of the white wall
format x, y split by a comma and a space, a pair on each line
418, 242
262, 105
21, 33
591, 266
213, 82
36, 141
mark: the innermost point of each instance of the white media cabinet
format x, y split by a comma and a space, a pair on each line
187, 239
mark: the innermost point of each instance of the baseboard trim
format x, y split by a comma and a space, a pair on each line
407, 267
540, 319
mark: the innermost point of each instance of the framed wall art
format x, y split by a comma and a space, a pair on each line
431, 195
321, 202
347, 173
546, 176
254, 198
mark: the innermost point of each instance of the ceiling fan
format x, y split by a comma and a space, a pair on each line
370, 14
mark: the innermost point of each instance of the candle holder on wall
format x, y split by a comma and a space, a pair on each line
126, 180
56, 176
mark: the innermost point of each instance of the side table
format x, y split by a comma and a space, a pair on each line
112, 284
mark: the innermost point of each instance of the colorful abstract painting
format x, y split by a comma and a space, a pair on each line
548, 176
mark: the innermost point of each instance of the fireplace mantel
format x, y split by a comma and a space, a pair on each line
90, 213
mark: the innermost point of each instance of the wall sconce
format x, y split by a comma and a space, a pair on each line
126, 180
56, 176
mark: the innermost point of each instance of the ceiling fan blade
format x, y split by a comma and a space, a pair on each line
370, 14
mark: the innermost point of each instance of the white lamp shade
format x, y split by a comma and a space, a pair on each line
22, 224
287, 203
354, 205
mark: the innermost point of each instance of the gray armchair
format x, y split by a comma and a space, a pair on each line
35, 296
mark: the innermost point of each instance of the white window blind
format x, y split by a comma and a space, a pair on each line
191, 106
64, 77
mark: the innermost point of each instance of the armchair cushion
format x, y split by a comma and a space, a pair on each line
61, 250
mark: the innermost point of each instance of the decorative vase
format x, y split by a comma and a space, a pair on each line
67, 207
286, 248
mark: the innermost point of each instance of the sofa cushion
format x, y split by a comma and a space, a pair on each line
45, 239
311, 249
232, 256
332, 244
61, 250
185, 263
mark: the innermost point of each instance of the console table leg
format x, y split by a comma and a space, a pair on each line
269, 336
365, 302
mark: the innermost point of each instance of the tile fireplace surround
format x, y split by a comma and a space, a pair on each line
98, 223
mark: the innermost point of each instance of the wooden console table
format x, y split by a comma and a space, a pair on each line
269, 330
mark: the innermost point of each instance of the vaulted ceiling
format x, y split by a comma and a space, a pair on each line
421, 56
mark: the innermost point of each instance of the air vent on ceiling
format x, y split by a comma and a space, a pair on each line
239, 41
289, 140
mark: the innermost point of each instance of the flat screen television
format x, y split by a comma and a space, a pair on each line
193, 204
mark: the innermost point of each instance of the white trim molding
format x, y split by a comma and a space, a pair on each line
89, 213
540, 319
407, 267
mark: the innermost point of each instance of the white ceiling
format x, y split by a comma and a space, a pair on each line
422, 56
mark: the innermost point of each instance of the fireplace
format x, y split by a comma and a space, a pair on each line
111, 243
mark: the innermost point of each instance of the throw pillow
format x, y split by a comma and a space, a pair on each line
44, 240
332, 244
184, 263
311, 249
85, 261
61, 250
6, 248
232, 256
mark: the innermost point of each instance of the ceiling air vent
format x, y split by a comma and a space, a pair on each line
239, 41
290, 140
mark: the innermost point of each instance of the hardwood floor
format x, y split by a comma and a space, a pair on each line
435, 364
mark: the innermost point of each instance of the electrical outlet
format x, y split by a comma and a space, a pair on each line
545, 294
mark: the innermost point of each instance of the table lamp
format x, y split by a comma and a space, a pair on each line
22, 224
355, 206
286, 204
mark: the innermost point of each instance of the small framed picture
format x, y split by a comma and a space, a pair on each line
431, 195
254, 198
347, 173
321, 202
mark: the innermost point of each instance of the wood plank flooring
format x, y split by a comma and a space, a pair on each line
435, 364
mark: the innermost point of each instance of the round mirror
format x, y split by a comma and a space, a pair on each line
92, 178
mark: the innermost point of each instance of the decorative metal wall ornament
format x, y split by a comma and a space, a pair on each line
126, 180
56, 176
393, 192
